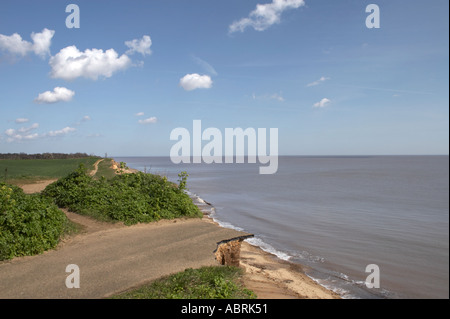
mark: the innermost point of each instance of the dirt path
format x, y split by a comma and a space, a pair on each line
41, 185
94, 171
113, 259
37, 187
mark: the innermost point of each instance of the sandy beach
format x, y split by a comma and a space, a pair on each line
272, 278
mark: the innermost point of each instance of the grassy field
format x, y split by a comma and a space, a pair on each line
104, 169
24, 171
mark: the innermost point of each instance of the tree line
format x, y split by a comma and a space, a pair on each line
24, 156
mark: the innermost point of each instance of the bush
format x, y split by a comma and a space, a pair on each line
29, 224
131, 198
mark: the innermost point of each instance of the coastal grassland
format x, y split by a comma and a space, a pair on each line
214, 282
105, 169
29, 224
129, 198
32, 170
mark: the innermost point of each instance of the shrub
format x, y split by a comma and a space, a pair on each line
131, 198
29, 224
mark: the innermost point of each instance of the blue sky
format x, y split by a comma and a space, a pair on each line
310, 68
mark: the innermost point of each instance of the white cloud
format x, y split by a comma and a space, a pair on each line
205, 65
25, 134
141, 46
83, 120
139, 114
70, 63
277, 97
22, 134
150, 120
42, 42
59, 94
274, 96
21, 120
10, 132
20, 137
265, 15
195, 81
28, 129
61, 132
14, 43
323, 103
322, 79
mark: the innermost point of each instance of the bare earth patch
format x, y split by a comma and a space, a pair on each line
37, 187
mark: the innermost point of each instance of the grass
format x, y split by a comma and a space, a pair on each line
215, 282
71, 228
105, 170
28, 171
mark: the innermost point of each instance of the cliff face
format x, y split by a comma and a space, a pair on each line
228, 252
122, 170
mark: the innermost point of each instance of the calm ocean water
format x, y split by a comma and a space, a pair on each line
337, 215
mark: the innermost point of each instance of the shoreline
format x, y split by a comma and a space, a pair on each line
273, 278
267, 275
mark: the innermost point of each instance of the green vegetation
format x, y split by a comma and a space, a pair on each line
29, 224
182, 180
23, 171
131, 198
122, 167
219, 282
105, 169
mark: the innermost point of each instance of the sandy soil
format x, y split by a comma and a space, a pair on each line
37, 187
116, 166
94, 171
272, 278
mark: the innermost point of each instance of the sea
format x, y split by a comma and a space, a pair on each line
363, 226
